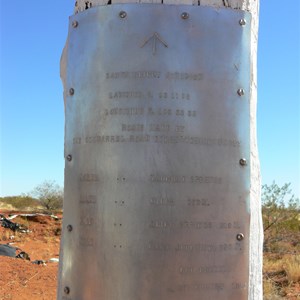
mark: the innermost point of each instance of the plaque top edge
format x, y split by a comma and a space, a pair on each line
161, 7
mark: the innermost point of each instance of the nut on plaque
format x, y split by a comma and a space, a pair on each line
243, 162
240, 236
69, 228
122, 14
185, 15
71, 91
66, 290
69, 157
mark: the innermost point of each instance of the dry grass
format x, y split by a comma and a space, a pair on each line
281, 276
292, 268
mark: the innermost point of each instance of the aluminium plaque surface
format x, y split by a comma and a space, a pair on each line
156, 144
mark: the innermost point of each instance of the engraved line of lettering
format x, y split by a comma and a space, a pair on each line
86, 242
87, 177
88, 199
185, 179
157, 201
186, 270
201, 286
149, 95
207, 247
161, 224
134, 75
163, 139
198, 202
154, 75
184, 76
192, 248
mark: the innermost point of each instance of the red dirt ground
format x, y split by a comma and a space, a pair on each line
21, 279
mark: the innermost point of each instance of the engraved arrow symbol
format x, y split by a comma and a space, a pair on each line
154, 37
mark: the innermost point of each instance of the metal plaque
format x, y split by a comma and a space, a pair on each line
157, 148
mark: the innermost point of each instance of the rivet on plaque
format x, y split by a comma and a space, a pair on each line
240, 236
241, 92
185, 15
122, 14
242, 22
243, 162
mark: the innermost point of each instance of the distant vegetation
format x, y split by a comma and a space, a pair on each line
19, 202
281, 217
47, 196
50, 195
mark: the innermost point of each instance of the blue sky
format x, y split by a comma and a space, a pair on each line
32, 115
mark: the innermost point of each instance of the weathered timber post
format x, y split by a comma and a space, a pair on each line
162, 183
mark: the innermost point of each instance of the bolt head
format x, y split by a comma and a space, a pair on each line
185, 15
71, 91
69, 228
243, 162
74, 24
69, 157
67, 290
241, 92
242, 22
122, 14
240, 236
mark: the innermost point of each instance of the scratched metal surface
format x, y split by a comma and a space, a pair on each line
154, 189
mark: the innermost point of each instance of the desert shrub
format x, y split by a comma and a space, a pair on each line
20, 202
50, 195
281, 216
